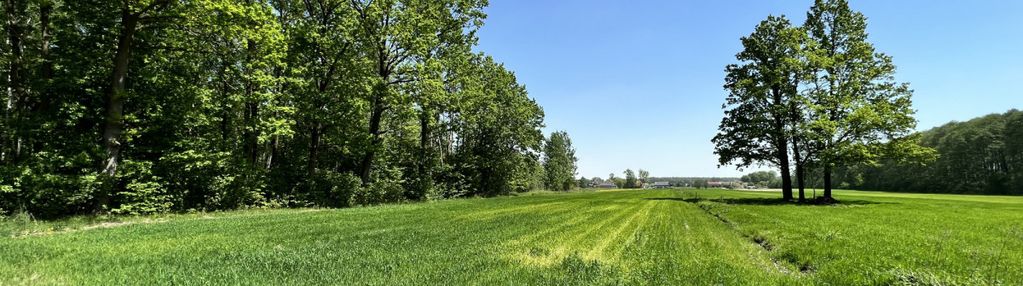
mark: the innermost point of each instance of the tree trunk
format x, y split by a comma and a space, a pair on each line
225, 122
15, 87
367, 160
801, 181
41, 105
786, 175
252, 134
46, 70
800, 172
782, 147
317, 126
445, 143
375, 118
251, 110
314, 146
424, 136
225, 106
115, 95
274, 148
827, 182
376, 114
425, 165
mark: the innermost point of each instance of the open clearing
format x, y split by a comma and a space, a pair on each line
606, 237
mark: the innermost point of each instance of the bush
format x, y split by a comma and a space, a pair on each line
420, 187
142, 193
5, 192
333, 189
383, 191
451, 183
49, 185
211, 181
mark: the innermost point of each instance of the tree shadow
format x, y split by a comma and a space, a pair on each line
768, 201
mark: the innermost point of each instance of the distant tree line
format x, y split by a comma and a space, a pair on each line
141, 106
814, 97
631, 179
695, 182
980, 156
762, 179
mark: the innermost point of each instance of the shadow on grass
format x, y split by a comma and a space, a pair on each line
767, 201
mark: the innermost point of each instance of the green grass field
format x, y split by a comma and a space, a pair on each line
607, 237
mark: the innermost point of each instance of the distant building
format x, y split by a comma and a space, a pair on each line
661, 185
657, 185
606, 185
719, 184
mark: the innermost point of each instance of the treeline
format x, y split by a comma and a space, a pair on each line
631, 179
980, 156
694, 182
642, 179
762, 179
140, 106
811, 99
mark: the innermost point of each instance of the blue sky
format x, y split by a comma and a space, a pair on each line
637, 84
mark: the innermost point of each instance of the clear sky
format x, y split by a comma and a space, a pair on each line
637, 84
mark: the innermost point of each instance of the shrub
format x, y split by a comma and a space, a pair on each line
383, 191
211, 181
333, 189
142, 193
451, 183
49, 185
5, 191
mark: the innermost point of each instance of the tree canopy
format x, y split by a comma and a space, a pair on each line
761, 90
631, 181
819, 93
760, 177
559, 162
162, 105
983, 155
855, 106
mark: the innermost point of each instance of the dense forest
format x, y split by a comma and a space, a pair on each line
141, 106
980, 156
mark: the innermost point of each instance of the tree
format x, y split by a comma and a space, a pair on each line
398, 36
132, 14
499, 130
761, 89
854, 105
16, 15
146, 106
559, 161
327, 71
584, 182
208, 115
630, 179
759, 177
619, 182
983, 155
26, 68
644, 176
700, 183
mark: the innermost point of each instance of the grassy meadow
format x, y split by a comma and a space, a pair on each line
587, 237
